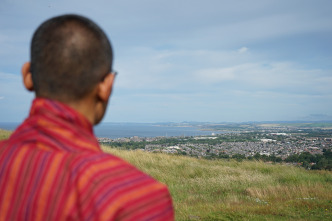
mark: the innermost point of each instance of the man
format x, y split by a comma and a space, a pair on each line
52, 168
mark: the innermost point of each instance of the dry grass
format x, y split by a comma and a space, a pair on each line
231, 190
280, 193
4, 134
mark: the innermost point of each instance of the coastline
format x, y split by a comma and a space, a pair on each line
127, 130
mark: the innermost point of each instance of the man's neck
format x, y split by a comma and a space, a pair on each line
85, 107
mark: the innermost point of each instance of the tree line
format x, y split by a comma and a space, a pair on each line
305, 159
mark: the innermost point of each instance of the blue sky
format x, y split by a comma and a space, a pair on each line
198, 60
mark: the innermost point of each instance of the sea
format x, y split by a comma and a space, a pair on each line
122, 130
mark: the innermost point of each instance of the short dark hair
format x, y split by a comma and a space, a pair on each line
70, 54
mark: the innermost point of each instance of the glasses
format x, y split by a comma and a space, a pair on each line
115, 73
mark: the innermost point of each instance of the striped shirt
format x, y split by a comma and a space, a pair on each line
52, 168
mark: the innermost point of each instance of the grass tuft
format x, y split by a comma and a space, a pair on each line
4, 134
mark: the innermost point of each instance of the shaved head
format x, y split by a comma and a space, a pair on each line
70, 54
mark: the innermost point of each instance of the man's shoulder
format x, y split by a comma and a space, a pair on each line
105, 167
2, 142
100, 160
114, 185
117, 181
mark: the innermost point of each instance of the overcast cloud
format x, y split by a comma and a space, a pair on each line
181, 60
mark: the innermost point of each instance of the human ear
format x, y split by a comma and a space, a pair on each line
105, 87
27, 76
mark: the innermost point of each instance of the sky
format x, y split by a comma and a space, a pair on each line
191, 60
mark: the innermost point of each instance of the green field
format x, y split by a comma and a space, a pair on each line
4, 134
231, 190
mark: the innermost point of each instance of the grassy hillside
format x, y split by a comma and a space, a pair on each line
231, 190
4, 134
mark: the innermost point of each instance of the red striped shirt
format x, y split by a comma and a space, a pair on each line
52, 168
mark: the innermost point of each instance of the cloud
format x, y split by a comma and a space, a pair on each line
216, 75
1, 97
243, 50
210, 57
283, 76
156, 71
216, 85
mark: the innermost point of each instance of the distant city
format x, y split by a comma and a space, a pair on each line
308, 144
248, 140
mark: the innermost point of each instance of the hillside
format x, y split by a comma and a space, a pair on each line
231, 190
4, 134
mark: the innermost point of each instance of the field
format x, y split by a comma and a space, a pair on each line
4, 134
231, 190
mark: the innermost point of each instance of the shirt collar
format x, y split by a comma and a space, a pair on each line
46, 106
